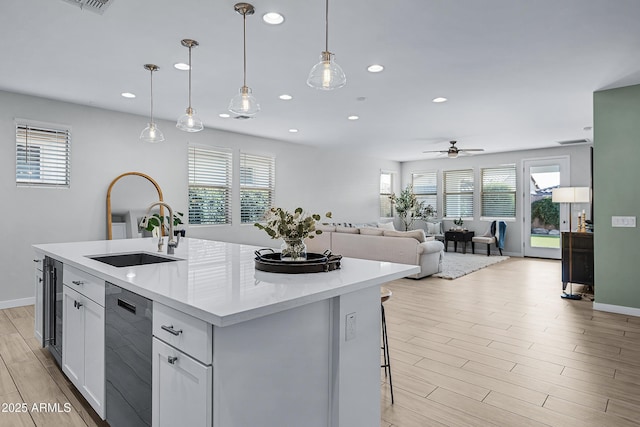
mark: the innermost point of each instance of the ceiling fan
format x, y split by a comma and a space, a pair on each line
453, 151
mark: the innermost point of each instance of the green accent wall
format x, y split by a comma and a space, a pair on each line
616, 192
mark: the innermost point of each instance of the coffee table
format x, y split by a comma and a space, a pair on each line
456, 236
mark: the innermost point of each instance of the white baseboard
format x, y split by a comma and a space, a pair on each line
17, 302
629, 311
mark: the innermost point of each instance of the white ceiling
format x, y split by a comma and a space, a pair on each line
518, 74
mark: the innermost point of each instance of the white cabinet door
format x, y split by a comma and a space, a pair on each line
72, 336
182, 389
83, 346
94, 383
39, 307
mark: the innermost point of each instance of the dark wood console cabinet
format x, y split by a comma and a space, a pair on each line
582, 258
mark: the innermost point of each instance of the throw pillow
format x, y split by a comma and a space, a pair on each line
416, 234
434, 228
350, 230
386, 226
326, 227
371, 231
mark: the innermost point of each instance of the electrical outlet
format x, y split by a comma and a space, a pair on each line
350, 327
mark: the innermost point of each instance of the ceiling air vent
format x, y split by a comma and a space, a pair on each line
575, 141
96, 6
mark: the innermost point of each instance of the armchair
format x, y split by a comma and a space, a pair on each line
495, 234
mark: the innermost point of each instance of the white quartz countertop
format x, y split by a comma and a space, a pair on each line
217, 281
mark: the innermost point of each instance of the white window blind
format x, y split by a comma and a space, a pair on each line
425, 187
209, 186
257, 186
458, 193
42, 155
498, 194
386, 188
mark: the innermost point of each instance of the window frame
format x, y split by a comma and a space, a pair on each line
223, 172
268, 177
51, 144
511, 168
426, 196
470, 174
385, 195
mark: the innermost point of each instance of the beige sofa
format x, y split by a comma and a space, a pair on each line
381, 245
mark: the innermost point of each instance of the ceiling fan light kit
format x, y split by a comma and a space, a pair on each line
190, 122
453, 151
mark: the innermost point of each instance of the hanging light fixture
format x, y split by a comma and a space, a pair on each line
326, 74
244, 104
151, 133
189, 122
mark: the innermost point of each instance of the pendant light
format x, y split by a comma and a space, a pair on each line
189, 122
244, 104
326, 74
151, 133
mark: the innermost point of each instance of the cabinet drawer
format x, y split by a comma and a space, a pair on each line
84, 283
182, 389
184, 332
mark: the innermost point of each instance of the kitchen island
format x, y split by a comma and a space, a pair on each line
270, 349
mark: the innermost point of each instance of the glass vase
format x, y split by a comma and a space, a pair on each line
293, 250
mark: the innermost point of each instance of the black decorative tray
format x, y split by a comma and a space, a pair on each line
315, 263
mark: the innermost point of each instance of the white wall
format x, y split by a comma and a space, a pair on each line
579, 174
105, 144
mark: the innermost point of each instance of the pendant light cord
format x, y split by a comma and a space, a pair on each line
244, 44
151, 95
326, 26
189, 77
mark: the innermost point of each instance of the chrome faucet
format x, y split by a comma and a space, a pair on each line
172, 244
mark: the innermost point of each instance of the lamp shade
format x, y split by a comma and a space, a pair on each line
571, 195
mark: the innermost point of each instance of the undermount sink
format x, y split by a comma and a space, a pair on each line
132, 259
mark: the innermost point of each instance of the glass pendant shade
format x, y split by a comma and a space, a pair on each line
326, 74
151, 133
244, 103
190, 122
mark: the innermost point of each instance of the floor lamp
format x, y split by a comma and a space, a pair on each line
571, 195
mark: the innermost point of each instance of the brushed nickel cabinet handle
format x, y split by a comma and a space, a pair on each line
171, 330
77, 282
172, 359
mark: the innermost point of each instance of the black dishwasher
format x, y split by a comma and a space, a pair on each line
128, 357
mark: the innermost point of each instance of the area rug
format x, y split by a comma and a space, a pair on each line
456, 265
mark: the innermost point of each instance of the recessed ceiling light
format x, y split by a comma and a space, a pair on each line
128, 95
273, 18
293, 130
285, 97
181, 66
353, 117
224, 115
440, 99
375, 68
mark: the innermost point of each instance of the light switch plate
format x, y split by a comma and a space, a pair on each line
350, 327
623, 221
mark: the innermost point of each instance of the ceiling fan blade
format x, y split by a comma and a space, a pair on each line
436, 151
470, 149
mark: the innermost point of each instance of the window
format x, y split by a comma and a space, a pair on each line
257, 186
209, 186
386, 188
458, 193
498, 194
425, 187
42, 155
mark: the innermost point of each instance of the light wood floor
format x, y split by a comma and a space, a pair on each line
500, 347
496, 347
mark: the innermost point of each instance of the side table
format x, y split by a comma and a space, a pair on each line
456, 236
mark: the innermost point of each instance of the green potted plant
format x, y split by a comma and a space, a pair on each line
157, 222
458, 223
292, 228
408, 207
